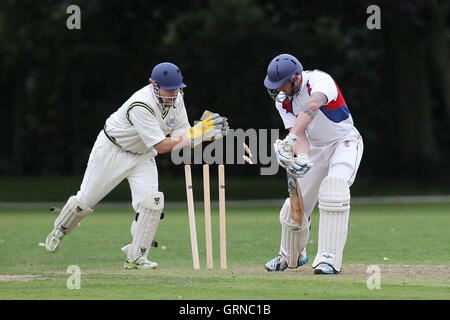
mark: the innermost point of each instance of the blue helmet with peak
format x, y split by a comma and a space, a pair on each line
167, 76
282, 69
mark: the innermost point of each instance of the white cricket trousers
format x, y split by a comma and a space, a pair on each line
340, 159
108, 165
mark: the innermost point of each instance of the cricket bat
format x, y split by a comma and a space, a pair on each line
295, 196
296, 199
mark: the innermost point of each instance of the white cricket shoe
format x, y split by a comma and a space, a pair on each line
125, 248
276, 264
324, 268
140, 263
279, 263
54, 239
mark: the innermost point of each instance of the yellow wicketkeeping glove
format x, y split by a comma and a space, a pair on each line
211, 126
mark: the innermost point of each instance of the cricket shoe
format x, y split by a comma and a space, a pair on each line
54, 239
125, 248
140, 263
279, 263
324, 268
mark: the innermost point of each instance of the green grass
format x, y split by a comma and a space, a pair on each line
414, 238
60, 188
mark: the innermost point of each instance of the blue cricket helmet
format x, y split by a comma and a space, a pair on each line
282, 69
167, 76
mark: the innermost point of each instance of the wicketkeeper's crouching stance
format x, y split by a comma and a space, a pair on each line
321, 133
126, 149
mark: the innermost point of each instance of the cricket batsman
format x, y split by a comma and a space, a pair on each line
126, 148
323, 150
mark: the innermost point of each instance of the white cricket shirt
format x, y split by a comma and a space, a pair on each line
332, 122
139, 123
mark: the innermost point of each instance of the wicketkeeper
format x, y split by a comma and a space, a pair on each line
126, 149
323, 149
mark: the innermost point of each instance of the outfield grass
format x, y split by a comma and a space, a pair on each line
410, 244
60, 188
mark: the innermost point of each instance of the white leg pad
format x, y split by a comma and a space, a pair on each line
144, 229
134, 226
294, 237
334, 209
71, 215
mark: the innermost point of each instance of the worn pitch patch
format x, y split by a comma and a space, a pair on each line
13, 277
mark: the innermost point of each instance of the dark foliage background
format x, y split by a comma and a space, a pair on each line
58, 86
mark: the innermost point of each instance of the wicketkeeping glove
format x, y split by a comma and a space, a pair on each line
211, 126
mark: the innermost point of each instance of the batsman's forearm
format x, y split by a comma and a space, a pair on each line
301, 124
304, 118
311, 108
302, 145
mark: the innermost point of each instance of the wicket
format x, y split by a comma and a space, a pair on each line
207, 206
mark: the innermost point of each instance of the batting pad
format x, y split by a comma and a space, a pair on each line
145, 228
71, 215
334, 209
294, 238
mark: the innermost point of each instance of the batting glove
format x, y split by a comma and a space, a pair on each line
289, 143
300, 165
284, 150
284, 158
